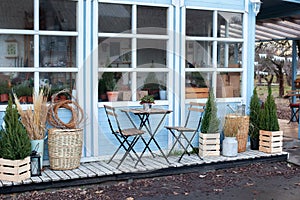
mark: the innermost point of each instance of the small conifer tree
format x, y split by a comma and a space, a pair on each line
14, 140
268, 116
210, 121
255, 109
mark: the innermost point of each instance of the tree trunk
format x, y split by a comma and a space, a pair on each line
281, 84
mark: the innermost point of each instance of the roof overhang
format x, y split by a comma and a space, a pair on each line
278, 20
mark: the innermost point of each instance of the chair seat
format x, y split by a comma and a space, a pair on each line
180, 128
131, 131
297, 105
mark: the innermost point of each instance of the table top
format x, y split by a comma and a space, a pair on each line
141, 111
293, 93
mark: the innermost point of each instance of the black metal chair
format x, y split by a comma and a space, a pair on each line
127, 137
182, 131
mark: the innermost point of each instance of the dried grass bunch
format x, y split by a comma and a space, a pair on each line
232, 125
34, 119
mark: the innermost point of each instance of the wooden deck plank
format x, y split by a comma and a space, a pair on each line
94, 169
36, 179
6, 183
61, 174
80, 173
72, 174
87, 171
109, 167
101, 168
51, 174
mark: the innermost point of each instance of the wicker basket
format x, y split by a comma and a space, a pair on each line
65, 148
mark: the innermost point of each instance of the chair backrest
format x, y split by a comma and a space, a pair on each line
198, 109
112, 117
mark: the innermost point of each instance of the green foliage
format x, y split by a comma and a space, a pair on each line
4, 89
147, 99
210, 121
14, 140
268, 116
255, 110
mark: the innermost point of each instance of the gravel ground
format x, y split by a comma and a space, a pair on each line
278, 180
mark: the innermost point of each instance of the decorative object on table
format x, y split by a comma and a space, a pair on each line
147, 101
209, 137
35, 163
162, 91
14, 147
65, 139
34, 120
255, 109
270, 137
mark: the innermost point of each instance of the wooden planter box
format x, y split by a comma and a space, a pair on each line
14, 170
209, 144
270, 141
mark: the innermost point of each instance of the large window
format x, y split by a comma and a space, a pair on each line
45, 54
136, 46
214, 46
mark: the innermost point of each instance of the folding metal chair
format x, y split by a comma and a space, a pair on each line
126, 137
182, 131
294, 111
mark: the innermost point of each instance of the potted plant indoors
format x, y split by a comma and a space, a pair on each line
147, 101
255, 109
21, 90
14, 147
34, 120
4, 91
209, 141
111, 86
270, 137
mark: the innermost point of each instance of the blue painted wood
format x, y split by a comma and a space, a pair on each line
155, 1
228, 4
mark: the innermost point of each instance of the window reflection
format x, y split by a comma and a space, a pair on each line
57, 51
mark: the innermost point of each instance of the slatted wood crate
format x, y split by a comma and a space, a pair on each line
270, 141
209, 144
14, 170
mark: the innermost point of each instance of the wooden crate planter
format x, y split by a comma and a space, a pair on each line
270, 141
14, 170
209, 144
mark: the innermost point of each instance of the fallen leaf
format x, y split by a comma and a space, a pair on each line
129, 198
218, 190
99, 192
298, 184
202, 176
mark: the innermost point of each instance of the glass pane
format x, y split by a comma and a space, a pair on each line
151, 20
57, 51
119, 82
229, 54
229, 84
114, 18
199, 23
230, 25
17, 50
16, 14
199, 54
115, 52
151, 53
22, 85
197, 84
58, 15
58, 81
152, 83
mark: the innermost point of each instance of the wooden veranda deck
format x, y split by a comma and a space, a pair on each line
100, 171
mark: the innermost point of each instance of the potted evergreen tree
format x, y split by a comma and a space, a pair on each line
15, 147
255, 109
270, 139
210, 137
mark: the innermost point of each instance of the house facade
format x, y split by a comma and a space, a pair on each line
175, 50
